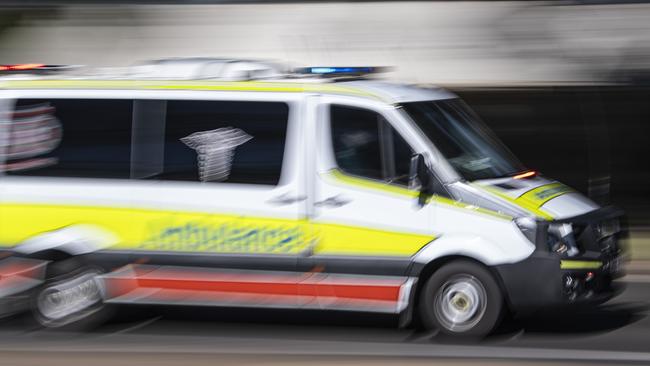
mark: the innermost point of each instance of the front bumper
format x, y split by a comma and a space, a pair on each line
545, 279
541, 281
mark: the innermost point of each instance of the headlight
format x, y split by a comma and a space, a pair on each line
528, 227
556, 238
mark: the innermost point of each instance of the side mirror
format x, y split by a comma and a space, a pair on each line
420, 178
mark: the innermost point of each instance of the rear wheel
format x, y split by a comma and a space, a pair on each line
71, 296
461, 299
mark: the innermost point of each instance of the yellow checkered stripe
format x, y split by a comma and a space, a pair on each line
534, 199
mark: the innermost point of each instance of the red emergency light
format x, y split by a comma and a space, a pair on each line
21, 67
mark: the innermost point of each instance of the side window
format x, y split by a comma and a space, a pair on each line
88, 138
222, 141
367, 146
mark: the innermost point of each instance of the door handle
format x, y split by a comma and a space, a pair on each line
333, 202
285, 199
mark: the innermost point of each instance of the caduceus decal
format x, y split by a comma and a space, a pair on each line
215, 150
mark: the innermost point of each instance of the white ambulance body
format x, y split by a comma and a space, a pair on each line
295, 192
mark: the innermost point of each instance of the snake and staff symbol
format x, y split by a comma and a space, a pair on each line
215, 150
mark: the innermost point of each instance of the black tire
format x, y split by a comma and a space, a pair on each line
60, 275
461, 299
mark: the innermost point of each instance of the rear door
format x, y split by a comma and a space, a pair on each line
223, 200
226, 170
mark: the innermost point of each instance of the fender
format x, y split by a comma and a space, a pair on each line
74, 240
476, 247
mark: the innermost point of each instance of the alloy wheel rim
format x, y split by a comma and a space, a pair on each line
460, 303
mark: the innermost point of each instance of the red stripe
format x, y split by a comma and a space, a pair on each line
199, 285
273, 288
301, 284
362, 292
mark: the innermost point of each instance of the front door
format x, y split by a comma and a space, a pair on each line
366, 218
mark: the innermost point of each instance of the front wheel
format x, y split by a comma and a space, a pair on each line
461, 299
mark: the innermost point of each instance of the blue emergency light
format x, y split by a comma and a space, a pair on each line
340, 70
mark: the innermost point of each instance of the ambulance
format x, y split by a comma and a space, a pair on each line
324, 188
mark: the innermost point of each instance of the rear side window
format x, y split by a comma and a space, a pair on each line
181, 140
214, 141
366, 145
69, 138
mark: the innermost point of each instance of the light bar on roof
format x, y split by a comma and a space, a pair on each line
33, 68
340, 70
20, 67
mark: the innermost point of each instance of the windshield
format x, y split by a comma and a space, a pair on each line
471, 148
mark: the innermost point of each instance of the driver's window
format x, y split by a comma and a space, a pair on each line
366, 145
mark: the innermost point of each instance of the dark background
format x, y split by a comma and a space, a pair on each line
595, 138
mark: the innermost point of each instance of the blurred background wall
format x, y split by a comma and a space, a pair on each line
444, 42
565, 84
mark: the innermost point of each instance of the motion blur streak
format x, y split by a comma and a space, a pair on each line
486, 43
231, 182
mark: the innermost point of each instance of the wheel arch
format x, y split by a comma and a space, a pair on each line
70, 240
50, 255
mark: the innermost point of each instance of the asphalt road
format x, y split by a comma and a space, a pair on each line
616, 333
